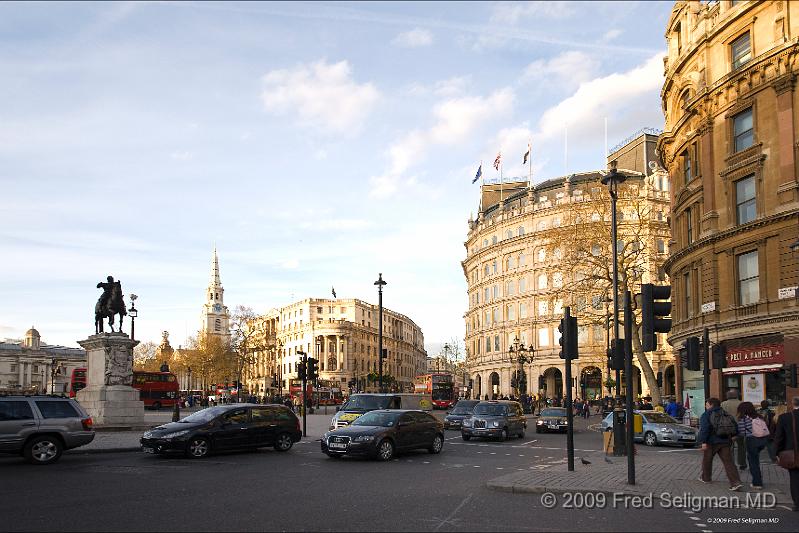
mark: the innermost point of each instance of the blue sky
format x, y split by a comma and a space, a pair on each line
316, 143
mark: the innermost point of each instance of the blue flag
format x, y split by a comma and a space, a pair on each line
479, 173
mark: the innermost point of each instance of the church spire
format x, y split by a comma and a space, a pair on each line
215, 280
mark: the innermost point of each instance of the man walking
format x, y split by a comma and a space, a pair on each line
784, 439
716, 428
730, 406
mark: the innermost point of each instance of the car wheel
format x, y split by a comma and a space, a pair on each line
650, 439
438, 444
504, 435
156, 406
466, 437
198, 447
385, 450
283, 442
43, 450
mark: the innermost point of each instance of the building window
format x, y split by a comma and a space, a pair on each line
511, 312
689, 226
748, 279
686, 280
686, 166
494, 266
522, 285
743, 131
745, 207
522, 310
496, 291
543, 337
557, 280
496, 343
661, 246
511, 288
495, 315
521, 260
678, 36
488, 344
521, 231
543, 307
542, 281
487, 295
486, 269
741, 50
494, 239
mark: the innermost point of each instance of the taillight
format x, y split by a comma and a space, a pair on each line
87, 423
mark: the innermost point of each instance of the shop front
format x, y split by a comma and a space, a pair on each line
754, 368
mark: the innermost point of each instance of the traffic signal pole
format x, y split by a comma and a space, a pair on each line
706, 361
567, 352
304, 394
628, 384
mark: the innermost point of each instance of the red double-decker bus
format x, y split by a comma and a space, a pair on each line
77, 381
157, 389
439, 385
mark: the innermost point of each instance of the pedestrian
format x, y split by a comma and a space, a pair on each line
647, 404
672, 409
755, 432
716, 428
787, 447
586, 409
730, 406
768, 415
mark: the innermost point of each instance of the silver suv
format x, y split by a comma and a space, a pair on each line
40, 428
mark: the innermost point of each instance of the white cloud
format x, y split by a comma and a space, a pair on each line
414, 38
512, 13
565, 71
322, 95
450, 87
182, 156
455, 119
611, 34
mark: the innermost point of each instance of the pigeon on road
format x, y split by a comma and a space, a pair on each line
584, 461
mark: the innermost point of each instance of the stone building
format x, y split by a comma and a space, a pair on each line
216, 317
343, 335
526, 261
29, 365
729, 146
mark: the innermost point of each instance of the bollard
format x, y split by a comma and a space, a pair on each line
176, 413
619, 447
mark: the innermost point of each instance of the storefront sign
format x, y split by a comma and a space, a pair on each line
763, 354
754, 388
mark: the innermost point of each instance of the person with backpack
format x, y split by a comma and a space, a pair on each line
716, 428
768, 415
730, 406
754, 432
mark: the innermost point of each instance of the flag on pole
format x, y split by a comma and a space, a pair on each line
479, 173
526, 154
498, 161
334, 292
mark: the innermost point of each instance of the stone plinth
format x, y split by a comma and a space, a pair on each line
108, 397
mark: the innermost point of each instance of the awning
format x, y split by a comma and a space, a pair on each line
752, 369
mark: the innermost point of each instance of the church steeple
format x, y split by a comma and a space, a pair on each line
216, 320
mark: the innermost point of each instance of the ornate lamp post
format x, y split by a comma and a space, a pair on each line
380, 284
189, 388
518, 355
133, 313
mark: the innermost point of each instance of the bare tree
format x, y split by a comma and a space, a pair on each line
145, 356
243, 345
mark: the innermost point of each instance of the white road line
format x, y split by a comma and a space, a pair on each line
478, 466
692, 517
688, 512
453, 513
701, 525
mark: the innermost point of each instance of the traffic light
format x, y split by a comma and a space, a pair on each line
652, 313
692, 353
616, 356
301, 369
313, 369
568, 335
788, 376
719, 357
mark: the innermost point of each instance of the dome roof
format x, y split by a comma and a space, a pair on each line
32, 332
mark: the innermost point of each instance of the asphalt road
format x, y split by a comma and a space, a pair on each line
305, 490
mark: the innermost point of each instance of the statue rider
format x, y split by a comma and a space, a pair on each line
107, 288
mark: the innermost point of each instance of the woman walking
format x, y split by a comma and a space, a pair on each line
754, 434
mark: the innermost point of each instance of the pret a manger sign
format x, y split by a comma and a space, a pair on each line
755, 355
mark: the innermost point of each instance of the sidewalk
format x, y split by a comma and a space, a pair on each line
674, 473
113, 441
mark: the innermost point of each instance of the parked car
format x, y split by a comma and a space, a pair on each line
226, 427
358, 404
463, 409
552, 419
40, 428
495, 419
384, 433
659, 428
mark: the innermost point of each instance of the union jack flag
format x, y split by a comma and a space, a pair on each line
498, 161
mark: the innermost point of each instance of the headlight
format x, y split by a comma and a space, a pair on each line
175, 434
467, 422
495, 424
540, 423
363, 438
147, 434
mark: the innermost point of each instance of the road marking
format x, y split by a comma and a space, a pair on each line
688, 512
476, 466
696, 518
500, 468
449, 517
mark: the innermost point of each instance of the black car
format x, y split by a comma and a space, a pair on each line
226, 427
463, 409
383, 433
551, 419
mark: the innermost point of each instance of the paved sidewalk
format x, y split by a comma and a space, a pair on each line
674, 473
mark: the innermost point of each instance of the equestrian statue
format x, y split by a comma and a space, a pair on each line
109, 304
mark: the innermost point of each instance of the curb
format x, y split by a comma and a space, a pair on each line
78, 451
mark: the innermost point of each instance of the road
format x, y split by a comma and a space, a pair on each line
305, 490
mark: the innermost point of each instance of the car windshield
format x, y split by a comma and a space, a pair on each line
659, 418
491, 409
463, 408
206, 415
377, 418
366, 403
553, 412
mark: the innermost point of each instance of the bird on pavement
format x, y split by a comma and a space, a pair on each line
608, 461
584, 461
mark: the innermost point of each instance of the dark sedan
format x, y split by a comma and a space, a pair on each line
463, 409
551, 419
384, 433
226, 427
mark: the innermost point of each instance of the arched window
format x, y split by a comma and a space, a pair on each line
485, 243
558, 254
511, 288
685, 97
511, 312
522, 285
522, 310
595, 217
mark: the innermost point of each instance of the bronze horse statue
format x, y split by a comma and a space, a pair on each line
110, 303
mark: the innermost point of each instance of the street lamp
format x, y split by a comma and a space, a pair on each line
517, 354
613, 179
189, 388
380, 284
55, 369
133, 313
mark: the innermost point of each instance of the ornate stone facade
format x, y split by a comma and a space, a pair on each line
31, 365
729, 146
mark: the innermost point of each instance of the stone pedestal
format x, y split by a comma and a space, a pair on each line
108, 397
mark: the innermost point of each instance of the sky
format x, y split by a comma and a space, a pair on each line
315, 144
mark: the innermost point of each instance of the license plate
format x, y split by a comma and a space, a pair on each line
553, 426
337, 446
147, 449
689, 437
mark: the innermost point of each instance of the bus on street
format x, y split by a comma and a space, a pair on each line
440, 385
